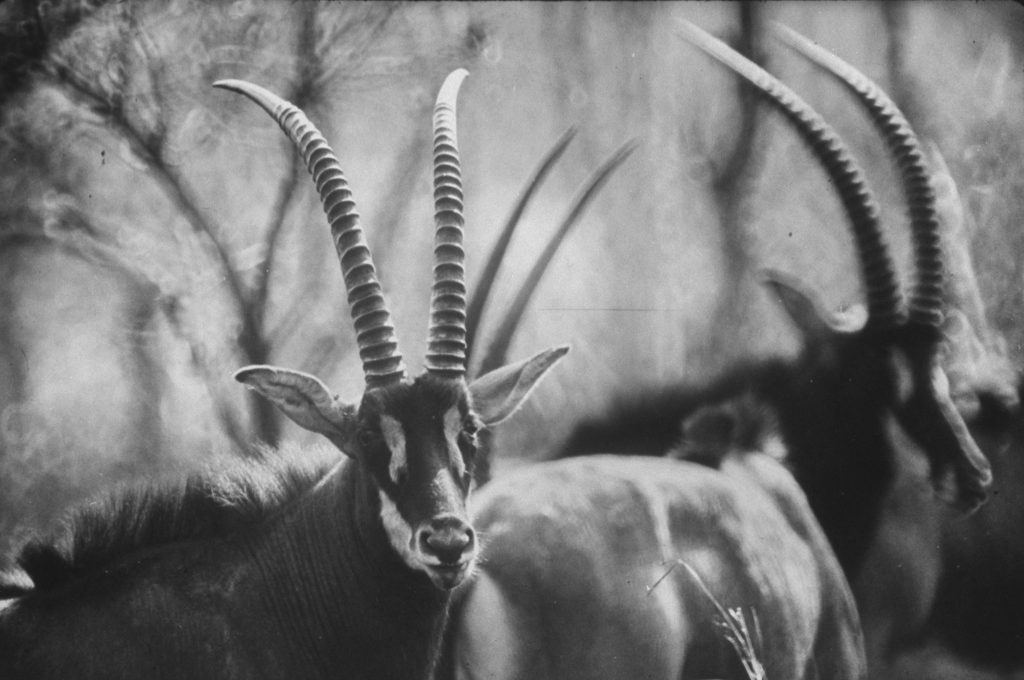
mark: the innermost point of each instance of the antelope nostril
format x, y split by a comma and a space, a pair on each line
447, 539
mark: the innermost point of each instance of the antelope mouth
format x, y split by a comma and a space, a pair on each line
448, 576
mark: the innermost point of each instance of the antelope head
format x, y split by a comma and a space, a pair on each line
889, 360
416, 438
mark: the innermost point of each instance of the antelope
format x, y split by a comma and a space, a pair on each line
575, 541
940, 590
861, 391
975, 620
615, 567
318, 566
861, 402
898, 584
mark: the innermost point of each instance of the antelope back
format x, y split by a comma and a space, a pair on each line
614, 567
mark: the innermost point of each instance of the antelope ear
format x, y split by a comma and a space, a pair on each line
304, 399
498, 394
805, 309
709, 435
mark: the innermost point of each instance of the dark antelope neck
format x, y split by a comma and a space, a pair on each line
835, 439
212, 507
842, 460
830, 409
333, 586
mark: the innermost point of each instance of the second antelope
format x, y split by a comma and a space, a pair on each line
858, 399
583, 583
855, 397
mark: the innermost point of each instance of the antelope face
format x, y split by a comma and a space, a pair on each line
857, 381
419, 441
928, 413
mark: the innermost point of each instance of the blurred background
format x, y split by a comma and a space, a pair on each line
157, 234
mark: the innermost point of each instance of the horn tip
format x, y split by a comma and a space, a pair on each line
708, 43
459, 73
244, 375
451, 85
798, 41
232, 84
785, 30
263, 97
691, 31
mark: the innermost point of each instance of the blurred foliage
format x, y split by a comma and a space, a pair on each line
156, 234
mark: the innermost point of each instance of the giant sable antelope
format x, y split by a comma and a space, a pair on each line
581, 546
616, 567
976, 621
955, 587
857, 399
333, 565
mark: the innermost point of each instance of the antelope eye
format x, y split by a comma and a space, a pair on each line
470, 427
366, 438
400, 476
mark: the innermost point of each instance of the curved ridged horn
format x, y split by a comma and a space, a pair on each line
378, 346
880, 281
495, 354
482, 290
925, 306
446, 339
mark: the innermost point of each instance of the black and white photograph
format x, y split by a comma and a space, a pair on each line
507, 340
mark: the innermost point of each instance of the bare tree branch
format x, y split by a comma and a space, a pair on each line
359, 34
302, 93
729, 188
148, 148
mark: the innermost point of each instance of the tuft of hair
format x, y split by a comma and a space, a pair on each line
14, 583
743, 424
982, 380
212, 504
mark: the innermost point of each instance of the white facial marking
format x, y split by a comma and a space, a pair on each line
394, 437
904, 376
775, 447
452, 428
399, 532
940, 382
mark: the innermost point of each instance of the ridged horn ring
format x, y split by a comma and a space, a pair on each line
925, 306
446, 338
876, 264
